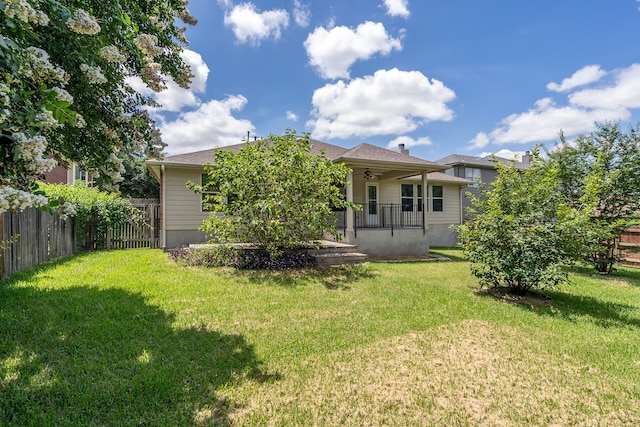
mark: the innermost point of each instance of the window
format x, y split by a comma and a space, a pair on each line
474, 175
372, 197
81, 175
437, 198
206, 196
407, 197
411, 195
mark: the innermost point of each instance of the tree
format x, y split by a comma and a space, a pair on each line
273, 193
521, 232
138, 182
601, 170
64, 68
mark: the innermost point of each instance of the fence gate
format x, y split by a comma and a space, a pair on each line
130, 235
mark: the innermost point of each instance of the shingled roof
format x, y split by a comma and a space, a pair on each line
367, 153
361, 154
487, 162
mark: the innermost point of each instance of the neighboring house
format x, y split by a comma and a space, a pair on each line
478, 170
67, 175
386, 184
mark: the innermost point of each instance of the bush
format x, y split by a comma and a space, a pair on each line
240, 258
106, 209
521, 232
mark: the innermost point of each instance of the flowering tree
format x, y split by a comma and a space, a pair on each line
64, 68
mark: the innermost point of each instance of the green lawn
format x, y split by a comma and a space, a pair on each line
128, 338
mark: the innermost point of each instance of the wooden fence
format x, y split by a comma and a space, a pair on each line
40, 236
630, 246
127, 236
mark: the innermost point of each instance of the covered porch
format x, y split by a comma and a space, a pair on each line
392, 194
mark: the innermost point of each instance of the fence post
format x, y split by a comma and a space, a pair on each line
3, 266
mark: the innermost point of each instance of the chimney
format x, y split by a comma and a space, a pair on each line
402, 150
526, 158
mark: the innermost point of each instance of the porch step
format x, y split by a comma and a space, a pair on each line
329, 247
340, 258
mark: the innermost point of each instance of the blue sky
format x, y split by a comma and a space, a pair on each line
442, 77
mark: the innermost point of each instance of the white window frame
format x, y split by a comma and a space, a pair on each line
416, 197
432, 199
474, 175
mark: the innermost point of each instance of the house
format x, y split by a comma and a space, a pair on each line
477, 170
66, 175
395, 219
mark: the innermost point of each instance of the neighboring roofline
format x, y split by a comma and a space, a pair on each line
453, 160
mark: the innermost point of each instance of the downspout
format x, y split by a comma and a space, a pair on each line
461, 207
163, 206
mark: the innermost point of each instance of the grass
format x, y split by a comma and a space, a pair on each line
127, 337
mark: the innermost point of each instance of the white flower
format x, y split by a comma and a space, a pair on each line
151, 74
112, 54
66, 210
83, 23
94, 74
22, 10
45, 119
148, 44
4, 93
38, 67
80, 123
12, 199
63, 95
31, 151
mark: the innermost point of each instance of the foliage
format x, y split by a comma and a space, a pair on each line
65, 85
521, 232
601, 169
240, 258
106, 209
273, 193
138, 181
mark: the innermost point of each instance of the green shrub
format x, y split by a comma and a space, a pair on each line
107, 210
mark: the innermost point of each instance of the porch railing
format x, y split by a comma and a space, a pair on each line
384, 215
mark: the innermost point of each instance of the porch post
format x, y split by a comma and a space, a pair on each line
425, 202
349, 233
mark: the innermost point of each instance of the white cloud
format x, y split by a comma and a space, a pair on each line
480, 141
211, 125
174, 98
624, 93
584, 76
251, 26
611, 100
301, 14
408, 142
397, 8
333, 51
292, 116
545, 120
389, 102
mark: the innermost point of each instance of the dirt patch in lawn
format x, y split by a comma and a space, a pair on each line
469, 373
506, 294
